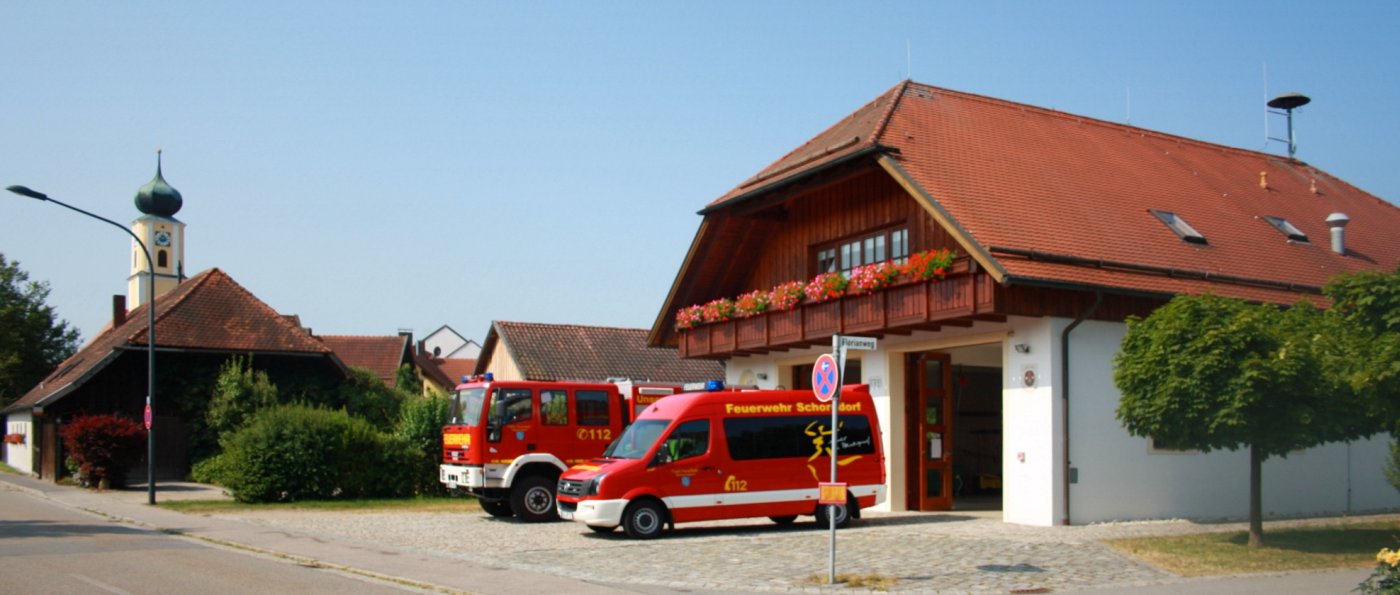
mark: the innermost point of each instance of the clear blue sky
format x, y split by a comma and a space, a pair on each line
372, 166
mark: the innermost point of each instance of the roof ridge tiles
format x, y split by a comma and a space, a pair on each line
1083, 119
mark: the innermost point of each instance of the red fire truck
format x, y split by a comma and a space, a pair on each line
507, 442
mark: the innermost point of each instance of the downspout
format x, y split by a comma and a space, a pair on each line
1064, 393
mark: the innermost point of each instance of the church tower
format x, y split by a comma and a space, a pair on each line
163, 234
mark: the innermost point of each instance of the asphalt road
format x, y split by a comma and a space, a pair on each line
46, 548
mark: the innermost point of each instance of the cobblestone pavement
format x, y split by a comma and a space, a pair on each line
949, 552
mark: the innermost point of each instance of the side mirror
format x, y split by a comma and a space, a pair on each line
493, 431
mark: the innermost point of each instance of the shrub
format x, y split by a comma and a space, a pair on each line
104, 447
365, 396
239, 392
420, 429
295, 452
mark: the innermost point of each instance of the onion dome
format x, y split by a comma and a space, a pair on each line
157, 197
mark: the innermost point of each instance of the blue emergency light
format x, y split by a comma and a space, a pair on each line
714, 385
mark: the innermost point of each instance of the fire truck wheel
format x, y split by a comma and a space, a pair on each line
644, 519
786, 519
843, 517
496, 508
533, 499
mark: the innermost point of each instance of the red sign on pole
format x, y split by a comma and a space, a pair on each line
148, 416
826, 377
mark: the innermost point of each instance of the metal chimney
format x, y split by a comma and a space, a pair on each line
1338, 222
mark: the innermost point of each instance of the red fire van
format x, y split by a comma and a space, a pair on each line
724, 455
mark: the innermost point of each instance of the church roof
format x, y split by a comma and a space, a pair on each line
209, 312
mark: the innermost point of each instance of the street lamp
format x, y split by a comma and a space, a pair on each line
150, 337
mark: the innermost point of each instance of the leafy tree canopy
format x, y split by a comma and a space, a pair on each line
1208, 373
33, 341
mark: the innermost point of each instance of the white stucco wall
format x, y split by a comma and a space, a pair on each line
1120, 478
20, 456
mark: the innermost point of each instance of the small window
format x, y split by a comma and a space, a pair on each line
162, 259
1287, 229
690, 439
554, 407
1180, 226
515, 405
826, 260
591, 407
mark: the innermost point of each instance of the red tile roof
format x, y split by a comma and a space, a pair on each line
381, 355
591, 354
446, 372
210, 311
1013, 178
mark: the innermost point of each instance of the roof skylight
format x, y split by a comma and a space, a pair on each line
1287, 228
1180, 226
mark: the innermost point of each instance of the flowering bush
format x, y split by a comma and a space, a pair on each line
872, 277
826, 286
752, 303
14, 438
786, 296
718, 310
929, 264
104, 447
1386, 578
690, 317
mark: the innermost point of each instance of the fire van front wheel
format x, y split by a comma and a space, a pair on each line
644, 519
533, 500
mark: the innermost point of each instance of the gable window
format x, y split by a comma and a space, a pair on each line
888, 244
1287, 229
1179, 226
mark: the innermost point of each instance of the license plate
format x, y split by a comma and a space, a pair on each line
568, 516
451, 485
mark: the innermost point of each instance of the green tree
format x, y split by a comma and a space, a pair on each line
239, 392
1367, 308
1209, 373
33, 341
420, 427
365, 396
408, 382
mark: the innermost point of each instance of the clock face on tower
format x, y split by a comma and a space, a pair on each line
162, 238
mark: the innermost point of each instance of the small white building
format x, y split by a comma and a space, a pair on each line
994, 378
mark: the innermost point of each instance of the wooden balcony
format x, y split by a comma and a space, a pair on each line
959, 299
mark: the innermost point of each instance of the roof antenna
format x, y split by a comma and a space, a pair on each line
908, 60
1289, 102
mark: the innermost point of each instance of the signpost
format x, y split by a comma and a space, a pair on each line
826, 385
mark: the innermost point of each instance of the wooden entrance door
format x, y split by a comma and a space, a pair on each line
929, 408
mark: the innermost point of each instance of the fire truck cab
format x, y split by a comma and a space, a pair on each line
507, 442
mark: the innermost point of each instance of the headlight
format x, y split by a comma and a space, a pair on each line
591, 487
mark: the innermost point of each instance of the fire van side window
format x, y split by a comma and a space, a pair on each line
591, 408
690, 439
804, 436
554, 407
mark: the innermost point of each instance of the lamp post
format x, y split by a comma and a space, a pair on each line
150, 329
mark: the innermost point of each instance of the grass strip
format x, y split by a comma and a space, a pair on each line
1351, 545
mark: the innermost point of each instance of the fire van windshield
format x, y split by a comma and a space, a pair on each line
637, 439
466, 406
